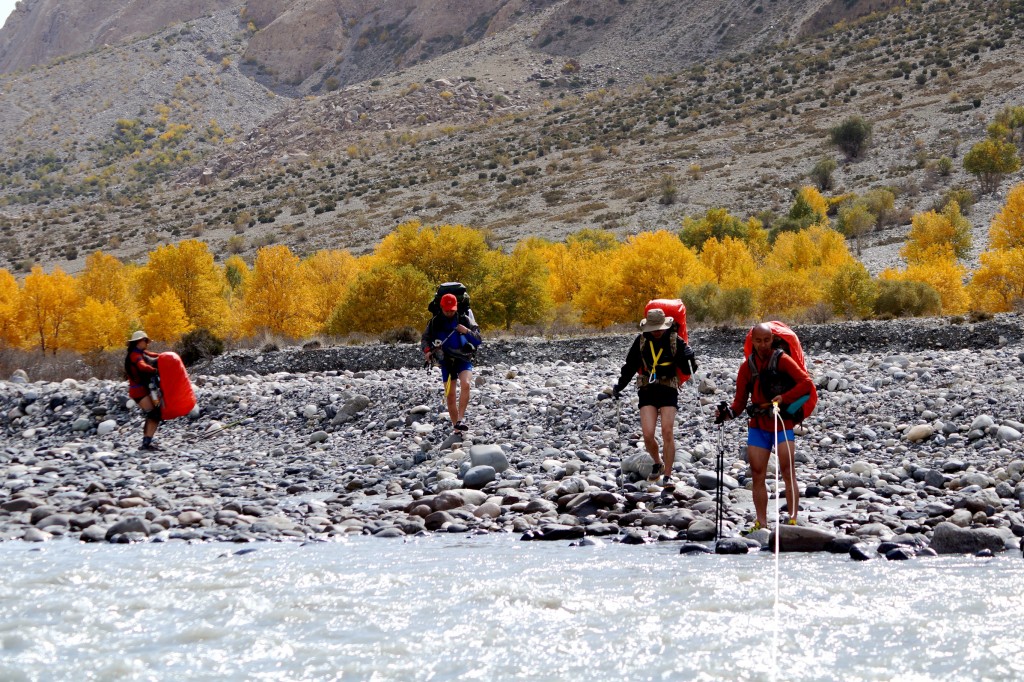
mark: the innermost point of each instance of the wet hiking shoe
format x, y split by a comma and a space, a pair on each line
791, 522
461, 425
756, 527
658, 469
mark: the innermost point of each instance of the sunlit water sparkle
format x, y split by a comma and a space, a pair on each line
494, 608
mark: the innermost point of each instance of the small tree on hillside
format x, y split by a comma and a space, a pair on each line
990, 160
852, 136
821, 174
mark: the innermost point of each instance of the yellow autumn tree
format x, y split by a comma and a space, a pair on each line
998, 283
785, 293
165, 318
817, 248
718, 223
10, 332
515, 290
730, 263
106, 279
46, 305
928, 229
621, 282
567, 261
443, 253
1007, 229
381, 298
938, 268
189, 271
277, 297
99, 325
328, 273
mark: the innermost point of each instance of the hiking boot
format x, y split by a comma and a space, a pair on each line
461, 425
756, 527
151, 447
658, 469
791, 522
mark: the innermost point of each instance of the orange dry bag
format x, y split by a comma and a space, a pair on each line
179, 398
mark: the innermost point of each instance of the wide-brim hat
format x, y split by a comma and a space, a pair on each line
138, 336
655, 321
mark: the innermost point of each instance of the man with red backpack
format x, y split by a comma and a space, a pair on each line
778, 388
657, 352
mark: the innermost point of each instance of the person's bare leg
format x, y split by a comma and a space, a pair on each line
648, 421
464, 380
151, 425
451, 399
788, 471
758, 460
668, 421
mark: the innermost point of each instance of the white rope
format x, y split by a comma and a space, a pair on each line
776, 418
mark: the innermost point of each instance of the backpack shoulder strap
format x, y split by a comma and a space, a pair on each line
773, 362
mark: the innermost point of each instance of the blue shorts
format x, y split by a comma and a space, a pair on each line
760, 438
457, 368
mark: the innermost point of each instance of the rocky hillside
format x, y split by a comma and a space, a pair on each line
555, 116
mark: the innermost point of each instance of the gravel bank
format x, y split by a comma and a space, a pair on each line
916, 448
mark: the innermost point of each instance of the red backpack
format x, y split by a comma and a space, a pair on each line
674, 308
784, 340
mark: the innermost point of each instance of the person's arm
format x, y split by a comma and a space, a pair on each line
685, 359
803, 384
427, 340
739, 402
630, 368
145, 369
470, 329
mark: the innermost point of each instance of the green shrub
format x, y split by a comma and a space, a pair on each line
198, 344
852, 136
906, 299
821, 174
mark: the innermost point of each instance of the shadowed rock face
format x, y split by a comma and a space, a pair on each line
41, 30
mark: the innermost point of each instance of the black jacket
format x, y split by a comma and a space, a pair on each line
667, 363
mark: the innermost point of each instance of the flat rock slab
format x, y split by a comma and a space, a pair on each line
951, 539
801, 539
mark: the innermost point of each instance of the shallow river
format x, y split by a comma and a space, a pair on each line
494, 608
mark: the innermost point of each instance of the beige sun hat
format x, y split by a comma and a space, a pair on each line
138, 336
656, 321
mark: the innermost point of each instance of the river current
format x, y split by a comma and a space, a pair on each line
494, 608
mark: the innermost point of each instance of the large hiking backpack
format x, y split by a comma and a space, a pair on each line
784, 340
457, 289
179, 397
674, 308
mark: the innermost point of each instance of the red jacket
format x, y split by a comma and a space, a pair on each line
139, 371
744, 389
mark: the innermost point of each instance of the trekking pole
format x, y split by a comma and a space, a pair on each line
223, 427
719, 493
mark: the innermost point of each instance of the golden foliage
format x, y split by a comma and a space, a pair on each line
817, 202
817, 248
188, 270
106, 279
99, 325
851, 292
46, 306
998, 283
1007, 230
10, 332
945, 275
730, 263
277, 296
930, 229
650, 265
327, 275
382, 298
165, 318
785, 293
443, 253
515, 289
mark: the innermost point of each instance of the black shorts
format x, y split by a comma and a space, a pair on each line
659, 396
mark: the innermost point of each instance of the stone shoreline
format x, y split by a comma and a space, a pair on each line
915, 448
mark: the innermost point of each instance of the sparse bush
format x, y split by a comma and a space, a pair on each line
198, 344
668, 190
821, 174
852, 292
990, 160
851, 136
906, 299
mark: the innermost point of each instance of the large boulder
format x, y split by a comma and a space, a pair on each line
639, 463
478, 477
801, 539
488, 455
949, 538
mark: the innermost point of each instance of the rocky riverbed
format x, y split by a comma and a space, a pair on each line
916, 447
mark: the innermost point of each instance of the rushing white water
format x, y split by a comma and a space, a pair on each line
494, 608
